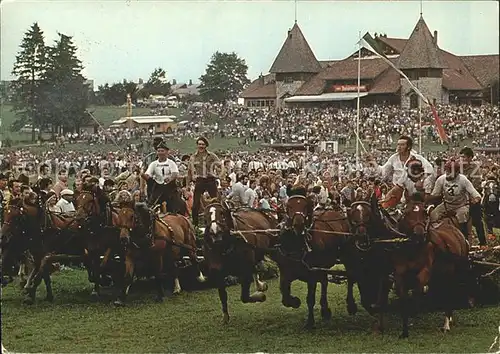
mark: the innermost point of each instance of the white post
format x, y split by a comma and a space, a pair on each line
357, 116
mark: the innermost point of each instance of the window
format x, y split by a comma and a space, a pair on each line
288, 80
413, 101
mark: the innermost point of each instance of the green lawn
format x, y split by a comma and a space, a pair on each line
104, 114
191, 322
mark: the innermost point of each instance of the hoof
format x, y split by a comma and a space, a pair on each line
49, 298
293, 302
22, 284
403, 336
118, 303
326, 314
444, 330
352, 309
94, 295
201, 279
176, 292
225, 319
159, 299
258, 297
263, 287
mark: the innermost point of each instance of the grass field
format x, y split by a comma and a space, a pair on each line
191, 322
104, 114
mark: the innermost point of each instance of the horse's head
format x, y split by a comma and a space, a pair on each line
88, 204
360, 215
20, 223
414, 219
297, 212
217, 225
125, 222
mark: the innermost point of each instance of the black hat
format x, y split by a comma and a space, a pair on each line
467, 151
157, 141
162, 145
202, 138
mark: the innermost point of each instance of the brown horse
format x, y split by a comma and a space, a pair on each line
437, 251
161, 241
235, 243
49, 237
95, 213
310, 240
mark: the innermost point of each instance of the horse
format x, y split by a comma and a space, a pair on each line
310, 240
435, 254
373, 233
48, 236
161, 240
95, 213
19, 222
235, 243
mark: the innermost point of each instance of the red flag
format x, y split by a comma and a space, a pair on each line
439, 125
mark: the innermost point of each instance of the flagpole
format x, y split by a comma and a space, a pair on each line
357, 115
419, 124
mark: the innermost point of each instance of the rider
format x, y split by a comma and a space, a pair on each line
471, 170
202, 169
395, 165
160, 177
456, 191
412, 182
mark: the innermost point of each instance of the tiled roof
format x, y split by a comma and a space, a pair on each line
327, 63
314, 86
485, 68
456, 76
421, 50
258, 89
348, 69
295, 56
388, 82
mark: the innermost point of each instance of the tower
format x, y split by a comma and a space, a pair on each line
294, 65
421, 61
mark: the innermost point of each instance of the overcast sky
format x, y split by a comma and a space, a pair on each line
128, 38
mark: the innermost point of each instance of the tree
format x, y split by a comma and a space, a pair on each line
157, 84
224, 78
29, 68
66, 94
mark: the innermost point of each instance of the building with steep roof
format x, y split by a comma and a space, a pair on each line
297, 78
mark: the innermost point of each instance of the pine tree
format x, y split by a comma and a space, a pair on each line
29, 68
66, 94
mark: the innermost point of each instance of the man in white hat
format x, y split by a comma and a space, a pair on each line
65, 204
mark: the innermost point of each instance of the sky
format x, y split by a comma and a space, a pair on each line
127, 39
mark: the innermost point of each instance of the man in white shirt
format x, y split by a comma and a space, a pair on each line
160, 176
251, 196
456, 192
394, 168
237, 194
65, 204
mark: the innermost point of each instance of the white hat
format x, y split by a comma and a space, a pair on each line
66, 192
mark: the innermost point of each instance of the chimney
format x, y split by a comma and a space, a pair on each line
174, 82
290, 33
190, 82
436, 38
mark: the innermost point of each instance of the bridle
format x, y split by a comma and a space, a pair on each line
289, 219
